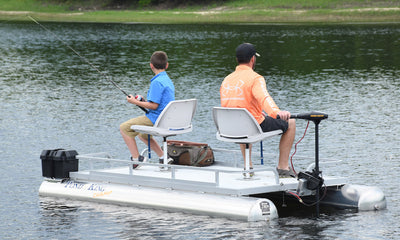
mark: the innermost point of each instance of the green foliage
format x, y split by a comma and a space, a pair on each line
59, 5
204, 11
29, 5
312, 4
144, 3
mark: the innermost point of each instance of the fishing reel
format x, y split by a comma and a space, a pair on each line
140, 98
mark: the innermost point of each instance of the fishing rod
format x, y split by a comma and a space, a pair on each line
85, 60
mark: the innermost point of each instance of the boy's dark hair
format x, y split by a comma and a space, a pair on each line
159, 59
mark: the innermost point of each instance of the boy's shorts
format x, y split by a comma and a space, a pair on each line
142, 120
271, 124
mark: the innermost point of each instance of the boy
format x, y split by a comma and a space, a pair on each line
160, 93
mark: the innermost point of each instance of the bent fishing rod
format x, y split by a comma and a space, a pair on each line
85, 60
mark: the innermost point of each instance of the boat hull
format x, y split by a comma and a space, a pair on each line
217, 190
362, 198
244, 208
348, 197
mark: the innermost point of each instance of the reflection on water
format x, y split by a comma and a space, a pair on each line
50, 98
127, 222
62, 217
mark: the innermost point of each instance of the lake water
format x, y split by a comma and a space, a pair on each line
50, 98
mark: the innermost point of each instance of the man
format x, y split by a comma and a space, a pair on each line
244, 88
160, 93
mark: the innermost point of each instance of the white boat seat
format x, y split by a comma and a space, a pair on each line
175, 119
237, 125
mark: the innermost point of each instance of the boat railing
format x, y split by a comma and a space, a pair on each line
170, 168
255, 155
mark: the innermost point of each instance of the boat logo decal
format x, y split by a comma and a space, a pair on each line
98, 190
74, 185
265, 208
96, 187
101, 194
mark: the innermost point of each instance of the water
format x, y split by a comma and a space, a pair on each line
50, 98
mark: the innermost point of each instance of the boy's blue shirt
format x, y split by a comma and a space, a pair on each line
161, 91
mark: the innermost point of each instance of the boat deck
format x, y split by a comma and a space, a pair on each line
216, 179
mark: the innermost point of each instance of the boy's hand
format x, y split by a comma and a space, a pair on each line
131, 99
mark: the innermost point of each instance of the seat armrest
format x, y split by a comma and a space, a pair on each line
233, 137
180, 129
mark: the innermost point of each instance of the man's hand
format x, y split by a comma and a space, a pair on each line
284, 115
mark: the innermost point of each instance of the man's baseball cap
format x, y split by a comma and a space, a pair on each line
245, 51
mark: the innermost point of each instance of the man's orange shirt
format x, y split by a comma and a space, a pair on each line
244, 88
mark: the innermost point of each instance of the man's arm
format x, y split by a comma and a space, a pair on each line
267, 102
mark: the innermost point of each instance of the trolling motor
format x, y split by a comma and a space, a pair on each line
312, 180
312, 116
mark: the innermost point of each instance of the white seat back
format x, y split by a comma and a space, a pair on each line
235, 123
177, 115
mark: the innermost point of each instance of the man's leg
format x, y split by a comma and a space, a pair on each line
285, 145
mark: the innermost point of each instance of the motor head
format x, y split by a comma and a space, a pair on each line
311, 116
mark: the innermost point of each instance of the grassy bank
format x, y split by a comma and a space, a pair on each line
236, 11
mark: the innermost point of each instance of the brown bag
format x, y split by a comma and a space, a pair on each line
190, 153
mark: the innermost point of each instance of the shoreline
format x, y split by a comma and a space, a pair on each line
216, 16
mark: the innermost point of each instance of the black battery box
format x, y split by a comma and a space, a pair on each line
58, 163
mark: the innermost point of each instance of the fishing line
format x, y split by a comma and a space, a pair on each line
84, 59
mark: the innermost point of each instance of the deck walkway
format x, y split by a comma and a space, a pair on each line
215, 179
